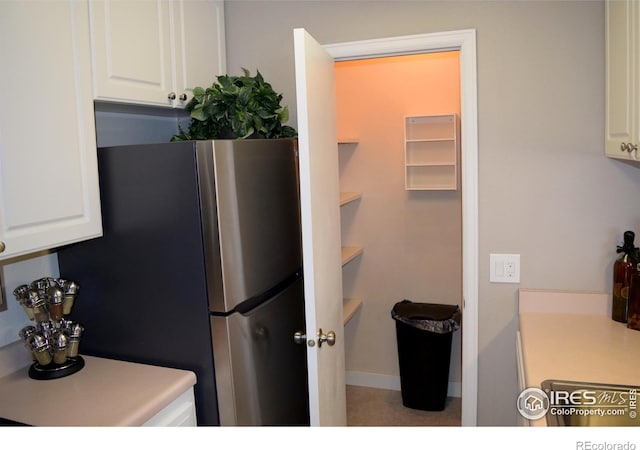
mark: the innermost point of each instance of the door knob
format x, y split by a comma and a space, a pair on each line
299, 337
329, 338
171, 96
2, 246
183, 97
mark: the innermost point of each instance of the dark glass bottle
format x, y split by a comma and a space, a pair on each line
633, 319
625, 266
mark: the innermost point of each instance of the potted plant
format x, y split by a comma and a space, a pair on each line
236, 107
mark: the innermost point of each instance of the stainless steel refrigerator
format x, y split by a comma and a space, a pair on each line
199, 268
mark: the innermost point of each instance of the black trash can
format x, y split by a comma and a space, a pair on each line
424, 332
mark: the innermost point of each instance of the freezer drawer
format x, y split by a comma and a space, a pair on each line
261, 374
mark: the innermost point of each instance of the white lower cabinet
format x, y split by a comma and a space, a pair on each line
155, 52
48, 163
179, 413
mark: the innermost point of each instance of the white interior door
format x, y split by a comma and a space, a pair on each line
320, 199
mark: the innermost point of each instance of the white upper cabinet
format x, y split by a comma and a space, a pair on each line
154, 52
622, 79
48, 168
200, 46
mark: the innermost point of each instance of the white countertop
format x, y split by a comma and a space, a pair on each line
104, 392
588, 348
578, 347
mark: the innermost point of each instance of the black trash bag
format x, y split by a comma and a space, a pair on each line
433, 317
424, 332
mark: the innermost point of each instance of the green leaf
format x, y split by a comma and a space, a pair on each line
283, 114
198, 113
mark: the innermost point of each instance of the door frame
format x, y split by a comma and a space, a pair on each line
465, 42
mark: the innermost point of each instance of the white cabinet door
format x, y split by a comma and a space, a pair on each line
131, 51
199, 45
48, 166
622, 79
154, 52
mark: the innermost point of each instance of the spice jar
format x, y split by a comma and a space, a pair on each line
39, 345
25, 333
74, 330
20, 293
59, 347
70, 291
38, 304
55, 298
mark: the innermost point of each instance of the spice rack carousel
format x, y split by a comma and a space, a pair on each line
54, 340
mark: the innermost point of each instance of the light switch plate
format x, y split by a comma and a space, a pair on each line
504, 268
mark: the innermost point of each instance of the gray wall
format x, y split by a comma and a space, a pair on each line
546, 190
130, 125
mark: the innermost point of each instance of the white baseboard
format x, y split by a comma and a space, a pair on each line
374, 380
391, 382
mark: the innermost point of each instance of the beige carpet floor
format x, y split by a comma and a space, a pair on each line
383, 408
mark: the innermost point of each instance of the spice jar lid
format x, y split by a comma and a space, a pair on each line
60, 340
74, 329
38, 342
55, 295
46, 327
26, 332
40, 284
70, 287
20, 292
33, 299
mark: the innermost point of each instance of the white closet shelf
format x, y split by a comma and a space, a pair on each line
431, 152
348, 197
444, 187
349, 253
431, 164
349, 307
431, 140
